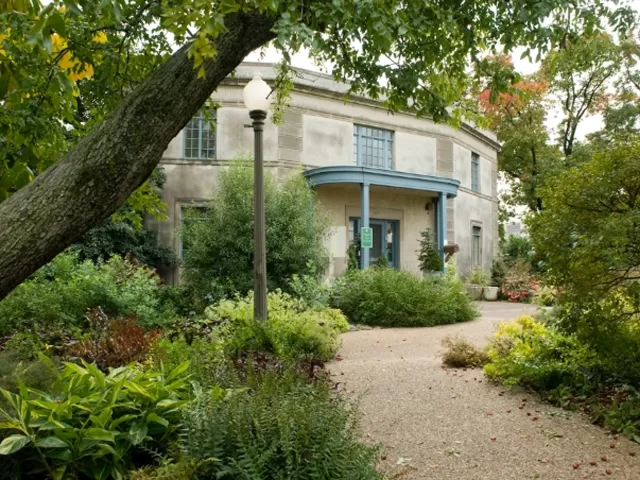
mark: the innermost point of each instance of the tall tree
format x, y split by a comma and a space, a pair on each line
574, 79
579, 73
414, 54
518, 117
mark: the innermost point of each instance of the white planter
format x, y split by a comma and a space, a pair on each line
490, 293
475, 292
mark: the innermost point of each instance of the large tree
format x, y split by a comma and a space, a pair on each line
414, 53
574, 81
519, 119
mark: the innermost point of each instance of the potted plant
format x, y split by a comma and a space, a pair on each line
477, 281
490, 292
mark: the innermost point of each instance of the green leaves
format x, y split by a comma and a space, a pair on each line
137, 433
587, 237
13, 443
220, 246
51, 442
96, 421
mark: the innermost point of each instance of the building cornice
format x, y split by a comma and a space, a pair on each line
341, 92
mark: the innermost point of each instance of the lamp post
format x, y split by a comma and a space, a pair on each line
256, 99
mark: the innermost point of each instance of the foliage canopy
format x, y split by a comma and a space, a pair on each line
218, 244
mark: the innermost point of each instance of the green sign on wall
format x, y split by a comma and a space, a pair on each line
366, 237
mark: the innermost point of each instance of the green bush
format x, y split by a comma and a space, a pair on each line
498, 272
517, 248
122, 239
532, 354
354, 253
569, 373
219, 258
280, 427
428, 255
56, 299
292, 330
204, 354
310, 290
387, 297
478, 276
94, 425
14, 368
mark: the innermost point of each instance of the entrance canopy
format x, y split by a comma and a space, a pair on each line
382, 177
366, 176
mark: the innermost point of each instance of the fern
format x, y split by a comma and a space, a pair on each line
281, 428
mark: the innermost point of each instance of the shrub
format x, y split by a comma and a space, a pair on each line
545, 296
310, 290
204, 355
56, 298
519, 285
478, 276
534, 355
122, 239
14, 369
95, 426
291, 331
113, 342
517, 248
179, 299
391, 298
279, 427
219, 258
498, 272
428, 255
570, 373
461, 353
354, 253
382, 261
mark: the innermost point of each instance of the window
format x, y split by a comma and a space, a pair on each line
475, 172
372, 147
476, 246
200, 138
190, 214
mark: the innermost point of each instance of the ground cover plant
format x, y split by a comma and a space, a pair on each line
56, 299
91, 424
568, 372
114, 396
292, 329
460, 353
391, 298
279, 426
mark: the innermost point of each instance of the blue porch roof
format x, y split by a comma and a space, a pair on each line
385, 178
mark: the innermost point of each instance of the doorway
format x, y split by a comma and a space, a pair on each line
386, 239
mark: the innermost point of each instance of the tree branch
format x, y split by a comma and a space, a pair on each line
94, 178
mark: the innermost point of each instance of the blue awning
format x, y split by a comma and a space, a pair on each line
384, 178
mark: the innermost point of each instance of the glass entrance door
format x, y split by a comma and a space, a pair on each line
385, 238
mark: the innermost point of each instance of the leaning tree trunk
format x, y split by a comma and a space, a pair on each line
93, 179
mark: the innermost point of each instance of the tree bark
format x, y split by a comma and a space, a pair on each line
93, 179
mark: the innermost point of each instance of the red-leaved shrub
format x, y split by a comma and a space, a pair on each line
115, 342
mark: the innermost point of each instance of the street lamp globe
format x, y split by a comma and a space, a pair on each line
256, 94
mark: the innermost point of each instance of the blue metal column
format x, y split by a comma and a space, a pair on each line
441, 230
364, 222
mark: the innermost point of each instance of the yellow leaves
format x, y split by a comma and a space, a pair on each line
100, 37
15, 6
68, 62
3, 36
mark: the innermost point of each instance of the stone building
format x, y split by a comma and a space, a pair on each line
408, 173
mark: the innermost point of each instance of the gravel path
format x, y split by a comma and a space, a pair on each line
453, 424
